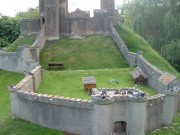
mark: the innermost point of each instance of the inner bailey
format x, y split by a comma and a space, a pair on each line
91, 117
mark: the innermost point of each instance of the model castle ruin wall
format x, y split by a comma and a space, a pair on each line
30, 26
78, 115
85, 116
136, 59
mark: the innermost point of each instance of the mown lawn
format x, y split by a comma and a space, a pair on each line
173, 129
136, 43
69, 83
9, 126
93, 52
23, 40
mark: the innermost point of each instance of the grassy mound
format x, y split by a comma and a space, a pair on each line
9, 126
69, 83
94, 52
23, 40
136, 43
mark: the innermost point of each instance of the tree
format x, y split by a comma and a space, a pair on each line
9, 30
10, 26
158, 21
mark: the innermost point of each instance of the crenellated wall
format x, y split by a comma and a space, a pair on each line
137, 59
141, 114
30, 26
41, 39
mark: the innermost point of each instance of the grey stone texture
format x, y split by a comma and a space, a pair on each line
30, 26
40, 41
54, 15
154, 111
26, 59
137, 59
59, 113
107, 4
17, 61
94, 117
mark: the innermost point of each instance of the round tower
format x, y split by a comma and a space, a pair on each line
103, 113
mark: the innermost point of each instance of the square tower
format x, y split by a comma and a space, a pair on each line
108, 4
51, 13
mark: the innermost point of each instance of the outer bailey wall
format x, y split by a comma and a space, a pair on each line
26, 58
17, 61
152, 72
40, 41
136, 59
30, 26
50, 111
31, 82
65, 114
154, 112
26, 84
36, 75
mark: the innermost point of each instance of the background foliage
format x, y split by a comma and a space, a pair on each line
10, 26
158, 21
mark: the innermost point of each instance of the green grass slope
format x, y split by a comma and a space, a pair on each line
69, 83
9, 126
93, 52
173, 129
23, 40
136, 43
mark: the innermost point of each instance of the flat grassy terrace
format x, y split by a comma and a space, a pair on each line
8, 125
23, 40
69, 83
93, 52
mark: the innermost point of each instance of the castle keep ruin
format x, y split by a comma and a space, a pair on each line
58, 21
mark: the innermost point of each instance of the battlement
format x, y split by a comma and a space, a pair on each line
104, 13
55, 100
79, 14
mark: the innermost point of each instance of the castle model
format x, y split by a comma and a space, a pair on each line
110, 111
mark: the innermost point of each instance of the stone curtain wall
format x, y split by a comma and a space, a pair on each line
152, 72
154, 111
36, 75
17, 61
88, 26
26, 84
136, 59
41, 39
30, 26
65, 114
26, 59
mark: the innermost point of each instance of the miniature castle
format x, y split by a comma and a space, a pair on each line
105, 113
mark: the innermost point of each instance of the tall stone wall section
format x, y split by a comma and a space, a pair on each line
61, 113
153, 73
20, 61
136, 59
30, 26
27, 58
88, 26
154, 112
40, 41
